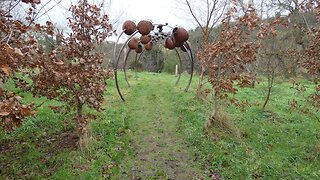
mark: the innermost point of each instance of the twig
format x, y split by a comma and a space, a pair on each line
36, 15
12, 7
194, 16
9, 37
39, 105
46, 11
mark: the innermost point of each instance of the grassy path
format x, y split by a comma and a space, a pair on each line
158, 134
159, 151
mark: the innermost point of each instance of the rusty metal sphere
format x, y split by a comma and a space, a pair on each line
145, 27
138, 49
145, 39
169, 43
148, 46
129, 27
133, 43
177, 43
180, 34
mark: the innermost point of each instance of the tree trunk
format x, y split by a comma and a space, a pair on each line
79, 105
253, 82
270, 85
294, 70
213, 116
203, 64
200, 84
283, 67
267, 98
79, 109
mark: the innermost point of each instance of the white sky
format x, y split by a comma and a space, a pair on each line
159, 11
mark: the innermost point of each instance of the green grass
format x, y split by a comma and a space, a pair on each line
156, 142
275, 143
34, 151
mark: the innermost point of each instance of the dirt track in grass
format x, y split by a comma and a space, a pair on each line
159, 151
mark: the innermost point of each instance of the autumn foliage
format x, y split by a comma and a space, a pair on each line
311, 57
227, 57
70, 72
15, 57
231, 56
241, 39
13, 111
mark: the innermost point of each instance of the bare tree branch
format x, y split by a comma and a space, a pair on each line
194, 16
46, 11
215, 21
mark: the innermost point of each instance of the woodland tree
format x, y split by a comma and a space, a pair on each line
206, 20
227, 57
70, 71
17, 46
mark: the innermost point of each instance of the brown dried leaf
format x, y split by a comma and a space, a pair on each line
18, 98
4, 113
59, 62
6, 69
25, 111
18, 51
9, 49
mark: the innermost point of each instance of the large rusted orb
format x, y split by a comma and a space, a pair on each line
133, 43
144, 27
169, 43
138, 49
148, 46
129, 27
145, 39
177, 43
180, 34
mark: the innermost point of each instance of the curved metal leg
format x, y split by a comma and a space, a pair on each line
115, 48
141, 54
180, 67
136, 61
190, 55
124, 67
116, 66
135, 68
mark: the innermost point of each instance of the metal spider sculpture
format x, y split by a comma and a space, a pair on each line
176, 38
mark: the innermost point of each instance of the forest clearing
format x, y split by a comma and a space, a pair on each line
235, 96
158, 133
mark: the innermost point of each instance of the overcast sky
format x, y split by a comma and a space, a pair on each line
159, 11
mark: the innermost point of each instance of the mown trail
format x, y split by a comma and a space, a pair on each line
159, 148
